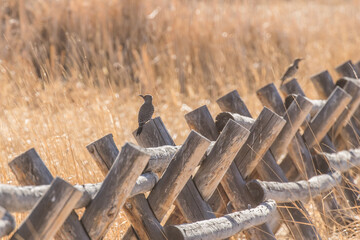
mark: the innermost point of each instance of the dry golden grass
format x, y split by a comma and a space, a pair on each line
71, 71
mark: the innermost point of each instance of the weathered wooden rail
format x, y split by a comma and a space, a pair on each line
235, 174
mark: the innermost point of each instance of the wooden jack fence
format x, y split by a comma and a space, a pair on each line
235, 174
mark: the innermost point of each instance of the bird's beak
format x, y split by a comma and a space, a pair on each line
141, 96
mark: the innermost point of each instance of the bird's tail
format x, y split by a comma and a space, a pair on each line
139, 130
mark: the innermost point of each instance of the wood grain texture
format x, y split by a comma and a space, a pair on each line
136, 207
223, 227
114, 191
189, 196
303, 228
104, 152
294, 117
270, 98
50, 212
344, 123
326, 117
178, 173
262, 134
142, 218
201, 120
327, 204
29, 169
192, 205
355, 121
323, 84
217, 162
234, 189
292, 87
232, 102
155, 135
350, 133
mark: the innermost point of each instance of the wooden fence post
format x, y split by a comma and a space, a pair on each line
348, 69
178, 173
303, 228
327, 146
357, 64
294, 116
29, 169
342, 82
220, 158
50, 212
104, 152
232, 182
326, 117
262, 134
326, 204
323, 84
137, 207
189, 194
292, 87
201, 121
116, 187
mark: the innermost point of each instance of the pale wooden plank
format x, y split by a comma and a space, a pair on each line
326, 117
177, 174
323, 84
29, 169
219, 159
50, 212
115, 189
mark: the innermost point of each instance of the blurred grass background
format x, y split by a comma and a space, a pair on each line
71, 71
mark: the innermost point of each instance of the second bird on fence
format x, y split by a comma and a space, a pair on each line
145, 113
292, 69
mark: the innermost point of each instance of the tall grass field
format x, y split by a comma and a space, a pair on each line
71, 70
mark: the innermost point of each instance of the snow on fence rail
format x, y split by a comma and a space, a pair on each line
289, 154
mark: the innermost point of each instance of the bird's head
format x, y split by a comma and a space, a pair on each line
147, 97
296, 61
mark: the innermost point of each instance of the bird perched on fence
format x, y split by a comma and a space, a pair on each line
145, 113
292, 69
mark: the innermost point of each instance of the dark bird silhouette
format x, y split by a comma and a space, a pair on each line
292, 69
145, 113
